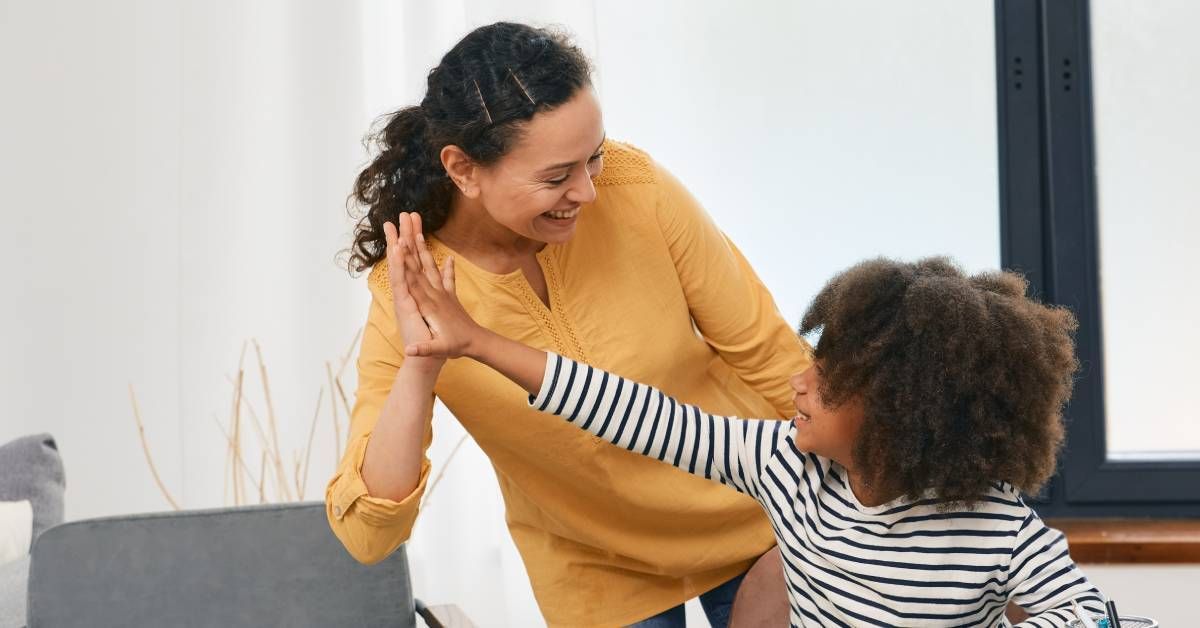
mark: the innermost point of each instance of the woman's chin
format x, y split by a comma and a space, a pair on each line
555, 230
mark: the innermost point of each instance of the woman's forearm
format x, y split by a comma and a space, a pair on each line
392, 462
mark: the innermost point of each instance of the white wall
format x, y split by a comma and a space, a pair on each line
172, 182
172, 178
1162, 592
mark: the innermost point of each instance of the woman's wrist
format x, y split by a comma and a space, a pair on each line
421, 367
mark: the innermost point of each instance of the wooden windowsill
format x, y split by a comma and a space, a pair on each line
1131, 540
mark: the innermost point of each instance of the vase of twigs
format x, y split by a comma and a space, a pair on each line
275, 481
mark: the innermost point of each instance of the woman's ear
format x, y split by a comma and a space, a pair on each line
463, 170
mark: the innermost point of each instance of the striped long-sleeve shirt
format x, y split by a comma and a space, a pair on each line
903, 563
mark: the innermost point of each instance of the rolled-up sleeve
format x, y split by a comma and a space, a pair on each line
731, 307
370, 527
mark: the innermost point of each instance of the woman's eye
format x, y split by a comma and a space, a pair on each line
563, 179
595, 165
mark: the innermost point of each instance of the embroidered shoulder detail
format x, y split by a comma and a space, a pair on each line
625, 165
379, 280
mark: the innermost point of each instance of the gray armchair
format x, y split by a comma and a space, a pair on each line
275, 565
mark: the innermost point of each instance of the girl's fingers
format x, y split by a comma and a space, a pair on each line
448, 275
427, 348
424, 295
416, 287
427, 263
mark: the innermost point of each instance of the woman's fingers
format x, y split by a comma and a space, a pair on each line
428, 266
408, 238
395, 262
417, 257
415, 237
405, 229
389, 233
409, 258
415, 221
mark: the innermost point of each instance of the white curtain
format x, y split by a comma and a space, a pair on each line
174, 183
173, 177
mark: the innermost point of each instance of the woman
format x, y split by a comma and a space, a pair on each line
584, 246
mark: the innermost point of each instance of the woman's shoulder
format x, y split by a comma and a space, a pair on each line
625, 164
380, 281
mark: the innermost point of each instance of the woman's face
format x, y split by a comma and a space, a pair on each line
540, 187
827, 432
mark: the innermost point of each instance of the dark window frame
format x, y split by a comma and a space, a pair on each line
1048, 232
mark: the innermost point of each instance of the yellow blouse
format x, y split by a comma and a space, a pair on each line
608, 537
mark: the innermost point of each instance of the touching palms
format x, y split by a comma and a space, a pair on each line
413, 329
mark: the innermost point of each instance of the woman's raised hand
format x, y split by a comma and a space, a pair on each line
453, 331
412, 327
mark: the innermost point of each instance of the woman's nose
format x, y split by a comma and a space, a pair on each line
583, 192
798, 384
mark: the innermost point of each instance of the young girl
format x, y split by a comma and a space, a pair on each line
935, 400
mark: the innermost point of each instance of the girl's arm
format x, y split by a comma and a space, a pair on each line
1044, 581
642, 419
628, 414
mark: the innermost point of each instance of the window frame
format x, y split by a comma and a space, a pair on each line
1048, 232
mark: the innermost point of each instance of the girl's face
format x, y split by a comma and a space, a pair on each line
538, 189
827, 432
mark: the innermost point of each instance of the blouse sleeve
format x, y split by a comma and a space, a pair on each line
371, 527
729, 303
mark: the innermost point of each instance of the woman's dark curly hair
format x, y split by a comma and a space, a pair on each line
962, 379
478, 98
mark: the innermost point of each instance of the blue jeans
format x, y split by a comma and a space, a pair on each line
717, 604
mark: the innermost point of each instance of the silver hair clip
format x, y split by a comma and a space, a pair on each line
483, 104
522, 86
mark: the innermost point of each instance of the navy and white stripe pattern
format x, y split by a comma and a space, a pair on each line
900, 564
